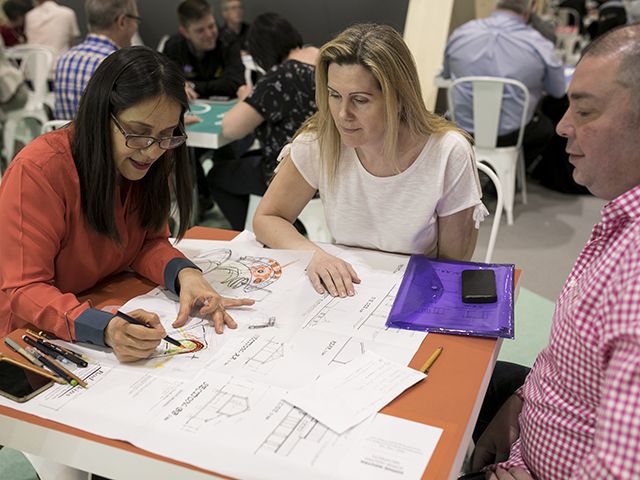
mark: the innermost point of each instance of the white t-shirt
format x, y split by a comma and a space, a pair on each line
53, 26
397, 213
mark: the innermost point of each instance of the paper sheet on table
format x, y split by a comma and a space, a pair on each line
241, 415
391, 447
345, 397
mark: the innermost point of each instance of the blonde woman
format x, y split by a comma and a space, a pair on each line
392, 176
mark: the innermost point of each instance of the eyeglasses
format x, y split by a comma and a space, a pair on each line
134, 17
140, 142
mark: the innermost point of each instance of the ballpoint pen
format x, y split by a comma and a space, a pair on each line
44, 349
46, 337
63, 352
135, 321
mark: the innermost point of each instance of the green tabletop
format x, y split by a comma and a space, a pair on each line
206, 134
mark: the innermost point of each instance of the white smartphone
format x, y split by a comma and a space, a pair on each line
18, 383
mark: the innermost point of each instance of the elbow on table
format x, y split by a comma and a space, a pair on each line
260, 224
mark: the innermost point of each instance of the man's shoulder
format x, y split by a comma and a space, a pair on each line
175, 43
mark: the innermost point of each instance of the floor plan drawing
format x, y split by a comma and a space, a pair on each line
228, 401
297, 435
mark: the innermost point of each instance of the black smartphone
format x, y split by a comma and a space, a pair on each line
20, 384
479, 286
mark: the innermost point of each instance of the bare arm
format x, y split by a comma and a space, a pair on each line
287, 195
457, 235
240, 121
285, 198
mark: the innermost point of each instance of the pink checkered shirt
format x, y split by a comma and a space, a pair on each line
581, 413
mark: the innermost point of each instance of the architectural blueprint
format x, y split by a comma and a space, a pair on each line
222, 400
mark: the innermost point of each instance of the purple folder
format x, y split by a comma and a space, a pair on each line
429, 299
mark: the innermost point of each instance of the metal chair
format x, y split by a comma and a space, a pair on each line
568, 39
506, 162
250, 66
162, 42
497, 215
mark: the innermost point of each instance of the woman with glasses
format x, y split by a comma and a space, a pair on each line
85, 202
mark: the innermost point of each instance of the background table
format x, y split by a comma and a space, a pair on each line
449, 398
207, 134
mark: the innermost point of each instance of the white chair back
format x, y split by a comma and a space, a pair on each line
35, 62
497, 215
250, 66
37, 65
162, 43
54, 125
566, 16
488, 93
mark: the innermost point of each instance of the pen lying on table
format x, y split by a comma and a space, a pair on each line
52, 348
42, 335
52, 364
135, 321
38, 367
45, 350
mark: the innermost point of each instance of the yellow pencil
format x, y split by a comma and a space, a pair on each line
431, 360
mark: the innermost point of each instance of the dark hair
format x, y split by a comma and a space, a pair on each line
14, 9
124, 79
270, 39
192, 11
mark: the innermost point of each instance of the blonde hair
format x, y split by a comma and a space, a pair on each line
382, 52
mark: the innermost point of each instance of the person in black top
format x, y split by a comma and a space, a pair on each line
213, 67
234, 28
283, 98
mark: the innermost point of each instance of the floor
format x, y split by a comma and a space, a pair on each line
543, 242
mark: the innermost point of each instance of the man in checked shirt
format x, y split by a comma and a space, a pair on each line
577, 416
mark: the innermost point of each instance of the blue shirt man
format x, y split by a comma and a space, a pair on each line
112, 24
503, 45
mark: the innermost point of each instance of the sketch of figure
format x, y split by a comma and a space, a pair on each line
247, 273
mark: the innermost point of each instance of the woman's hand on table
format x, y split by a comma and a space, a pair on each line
197, 293
132, 342
190, 91
333, 274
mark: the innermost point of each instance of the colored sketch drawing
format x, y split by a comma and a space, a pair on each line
192, 337
247, 276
